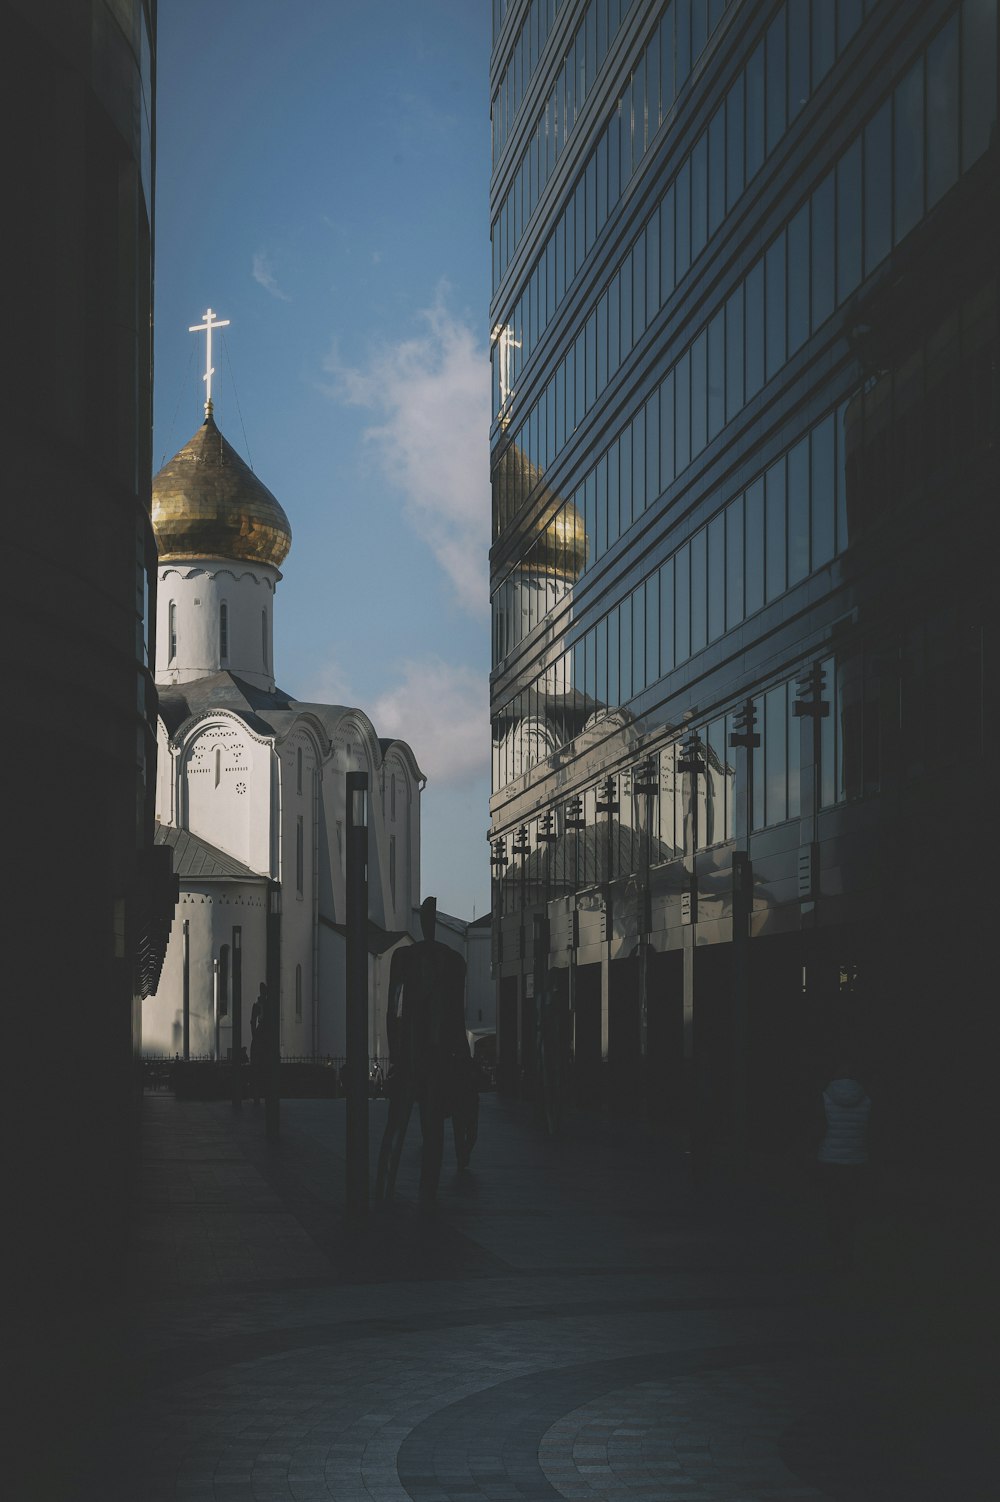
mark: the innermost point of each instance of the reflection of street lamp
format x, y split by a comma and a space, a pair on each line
810, 705
746, 739
645, 785
357, 990
546, 834
522, 846
692, 763
609, 805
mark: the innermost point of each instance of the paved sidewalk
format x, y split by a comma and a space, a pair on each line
568, 1320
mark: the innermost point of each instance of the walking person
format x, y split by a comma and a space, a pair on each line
257, 1045
843, 1160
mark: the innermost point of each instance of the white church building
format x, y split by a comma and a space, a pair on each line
251, 784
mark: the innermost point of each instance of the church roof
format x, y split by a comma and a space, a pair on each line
208, 503
259, 707
268, 712
196, 860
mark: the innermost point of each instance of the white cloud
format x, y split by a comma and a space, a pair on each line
442, 711
263, 274
330, 684
431, 395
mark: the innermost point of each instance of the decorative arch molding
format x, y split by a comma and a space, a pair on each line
355, 727
196, 725
312, 727
269, 579
401, 752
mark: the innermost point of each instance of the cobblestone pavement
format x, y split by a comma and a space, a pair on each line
569, 1320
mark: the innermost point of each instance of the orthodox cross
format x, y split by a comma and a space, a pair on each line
211, 322
504, 335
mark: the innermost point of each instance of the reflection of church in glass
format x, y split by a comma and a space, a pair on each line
742, 471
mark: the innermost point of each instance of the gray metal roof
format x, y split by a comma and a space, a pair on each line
196, 860
267, 713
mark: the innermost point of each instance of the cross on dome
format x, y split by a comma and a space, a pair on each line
211, 322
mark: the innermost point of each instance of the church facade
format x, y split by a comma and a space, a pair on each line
251, 785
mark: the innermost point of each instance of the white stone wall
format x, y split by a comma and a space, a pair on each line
226, 789
212, 909
197, 590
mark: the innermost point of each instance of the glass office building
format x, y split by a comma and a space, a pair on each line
744, 462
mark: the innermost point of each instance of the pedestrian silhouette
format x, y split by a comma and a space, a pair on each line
257, 1045
428, 1050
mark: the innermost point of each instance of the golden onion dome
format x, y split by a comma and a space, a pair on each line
561, 545
207, 503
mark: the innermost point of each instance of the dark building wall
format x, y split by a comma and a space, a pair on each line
750, 316
78, 101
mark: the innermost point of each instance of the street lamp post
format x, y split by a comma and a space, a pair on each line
521, 846
573, 819
272, 1015
645, 786
745, 738
498, 863
692, 764
357, 991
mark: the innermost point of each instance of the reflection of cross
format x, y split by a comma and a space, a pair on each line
504, 336
211, 322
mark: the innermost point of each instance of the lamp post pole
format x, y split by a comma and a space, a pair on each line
745, 738
498, 862
186, 986
574, 820
521, 846
237, 1013
645, 786
272, 1016
357, 1187
692, 765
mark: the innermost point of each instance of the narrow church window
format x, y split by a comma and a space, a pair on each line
299, 854
392, 867
298, 769
173, 628
218, 765
298, 993
263, 637
223, 632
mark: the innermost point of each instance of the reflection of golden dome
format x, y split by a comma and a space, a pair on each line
207, 503
561, 547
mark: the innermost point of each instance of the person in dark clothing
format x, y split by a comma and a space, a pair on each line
257, 1045
427, 1049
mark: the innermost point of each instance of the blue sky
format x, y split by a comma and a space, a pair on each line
322, 182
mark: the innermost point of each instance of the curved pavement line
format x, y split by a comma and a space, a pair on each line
491, 1439
183, 1362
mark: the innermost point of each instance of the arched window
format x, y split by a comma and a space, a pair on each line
218, 765
298, 993
298, 769
172, 618
223, 632
263, 638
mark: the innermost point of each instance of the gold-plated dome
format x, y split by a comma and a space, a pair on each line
207, 503
561, 547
